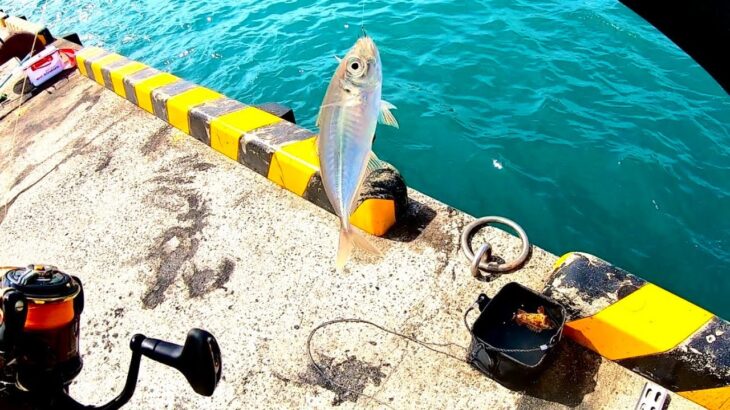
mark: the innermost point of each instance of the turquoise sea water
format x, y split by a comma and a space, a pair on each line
575, 118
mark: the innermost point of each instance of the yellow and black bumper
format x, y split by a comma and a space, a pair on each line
645, 328
275, 148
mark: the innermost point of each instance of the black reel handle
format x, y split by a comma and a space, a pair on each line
199, 360
14, 307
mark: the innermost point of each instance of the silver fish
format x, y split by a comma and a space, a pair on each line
347, 121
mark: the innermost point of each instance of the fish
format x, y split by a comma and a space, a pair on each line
537, 322
348, 116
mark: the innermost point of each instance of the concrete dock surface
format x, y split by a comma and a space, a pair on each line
167, 234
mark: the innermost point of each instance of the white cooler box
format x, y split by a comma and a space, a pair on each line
44, 66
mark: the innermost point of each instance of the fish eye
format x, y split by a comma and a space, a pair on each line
356, 67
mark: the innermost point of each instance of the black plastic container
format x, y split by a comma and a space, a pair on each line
510, 353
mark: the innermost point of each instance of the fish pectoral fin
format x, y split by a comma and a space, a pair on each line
386, 117
375, 163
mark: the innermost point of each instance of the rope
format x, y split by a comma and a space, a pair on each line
331, 382
480, 344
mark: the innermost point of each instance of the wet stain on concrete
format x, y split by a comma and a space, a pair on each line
174, 180
118, 312
175, 247
66, 105
173, 252
352, 374
202, 166
202, 281
66, 100
444, 238
104, 163
155, 141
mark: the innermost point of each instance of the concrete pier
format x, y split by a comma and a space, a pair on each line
167, 235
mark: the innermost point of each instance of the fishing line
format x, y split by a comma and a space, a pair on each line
428, 345
20, 101
329, 380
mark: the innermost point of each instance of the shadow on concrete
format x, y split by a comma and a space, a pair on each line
570, 376
411, 223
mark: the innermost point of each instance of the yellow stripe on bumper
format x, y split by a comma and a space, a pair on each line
144, 88
293, 165
98, 64
179, 106
227, 130
120, 73
648, 321
374, 216
714, 399
84, 54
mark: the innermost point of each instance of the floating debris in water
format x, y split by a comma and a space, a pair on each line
497, 164
347, 25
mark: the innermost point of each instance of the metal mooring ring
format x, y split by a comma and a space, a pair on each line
477, 261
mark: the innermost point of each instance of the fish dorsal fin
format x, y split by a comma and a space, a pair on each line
386, 117
375, 163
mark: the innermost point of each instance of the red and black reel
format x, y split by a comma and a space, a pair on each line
39, 335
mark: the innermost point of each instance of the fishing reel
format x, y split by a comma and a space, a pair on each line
40, 311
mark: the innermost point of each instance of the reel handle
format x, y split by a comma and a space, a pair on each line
199, 360
14, 307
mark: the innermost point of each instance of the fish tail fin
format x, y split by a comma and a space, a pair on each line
344, 249
350, 238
